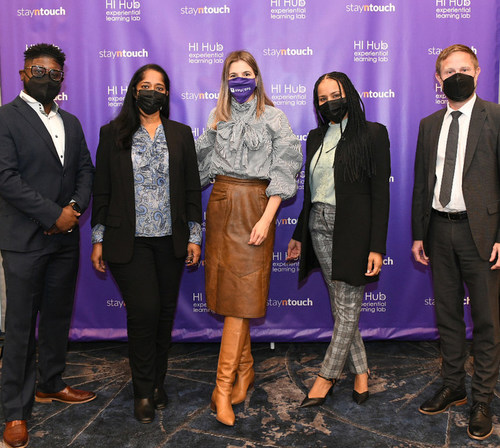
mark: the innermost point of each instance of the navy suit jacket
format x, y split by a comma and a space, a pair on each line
480, 178
34, 185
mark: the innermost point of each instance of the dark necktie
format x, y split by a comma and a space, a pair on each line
449, 160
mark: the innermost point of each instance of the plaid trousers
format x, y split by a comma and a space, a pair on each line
345, 301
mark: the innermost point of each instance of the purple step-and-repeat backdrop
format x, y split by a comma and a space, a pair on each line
387, 47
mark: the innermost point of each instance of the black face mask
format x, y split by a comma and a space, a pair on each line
42, 89
459, 87
151, 101
334, 110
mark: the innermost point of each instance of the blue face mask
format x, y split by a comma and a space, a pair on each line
242, 88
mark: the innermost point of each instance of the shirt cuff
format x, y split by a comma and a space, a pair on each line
195, 234
98, 233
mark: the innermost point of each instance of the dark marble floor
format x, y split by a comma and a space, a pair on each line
403, 374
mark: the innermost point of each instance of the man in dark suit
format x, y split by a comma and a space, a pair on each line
45, 184
456, 227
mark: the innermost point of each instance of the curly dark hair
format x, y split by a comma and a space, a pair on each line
354, 152
52, 51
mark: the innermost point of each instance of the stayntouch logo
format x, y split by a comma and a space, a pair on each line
360, 8
113, 54
41, 12
277, 52
278, 303
378, 94
286, 221
194, 11
195, 96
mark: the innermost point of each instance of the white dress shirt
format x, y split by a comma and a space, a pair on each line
52, 121
457, 203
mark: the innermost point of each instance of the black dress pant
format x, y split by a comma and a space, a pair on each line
149, 284
39, 284
455, 261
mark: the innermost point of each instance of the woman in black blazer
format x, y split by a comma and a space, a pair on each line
146, 219
343, 223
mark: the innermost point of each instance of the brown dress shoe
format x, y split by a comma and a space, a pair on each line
16, 434
67, 395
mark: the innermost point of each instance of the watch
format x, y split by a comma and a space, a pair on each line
75, 207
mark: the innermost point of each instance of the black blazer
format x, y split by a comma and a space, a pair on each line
34, 186
480, 178
362, 213
114, 197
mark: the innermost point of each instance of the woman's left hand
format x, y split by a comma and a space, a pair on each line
259, 232
261, 229
193, 256
374, 264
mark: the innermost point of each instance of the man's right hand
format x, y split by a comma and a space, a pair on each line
66, 221
419, 253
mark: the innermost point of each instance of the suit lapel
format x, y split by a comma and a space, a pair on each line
437, 124
68, 131
173, 163
127, 175
34, 120
477, 120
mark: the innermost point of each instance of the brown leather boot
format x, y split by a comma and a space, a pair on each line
245, 374
16, 434
231, 345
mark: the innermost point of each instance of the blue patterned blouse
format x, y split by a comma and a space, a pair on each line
152, 189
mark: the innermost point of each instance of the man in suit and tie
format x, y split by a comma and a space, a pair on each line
45, 184
456, 227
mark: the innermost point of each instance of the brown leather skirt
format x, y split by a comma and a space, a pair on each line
236, 273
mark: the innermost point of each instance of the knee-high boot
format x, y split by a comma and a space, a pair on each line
245, 374
231, 345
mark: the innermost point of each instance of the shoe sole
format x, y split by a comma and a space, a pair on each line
477, 437
159, 407
145, 421
10, 446
50, 400
455, 403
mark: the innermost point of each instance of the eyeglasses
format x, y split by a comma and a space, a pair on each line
37, 71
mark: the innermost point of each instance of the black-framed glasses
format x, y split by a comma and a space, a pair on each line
37, 71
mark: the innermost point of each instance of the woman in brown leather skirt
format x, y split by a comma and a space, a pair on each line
251, 152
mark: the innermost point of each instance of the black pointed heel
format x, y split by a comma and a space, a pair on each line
360, 398
317, 401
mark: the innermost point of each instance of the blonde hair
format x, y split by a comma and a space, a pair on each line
223, 108
452, 49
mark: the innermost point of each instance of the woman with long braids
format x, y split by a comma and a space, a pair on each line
343, 223
254, 157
